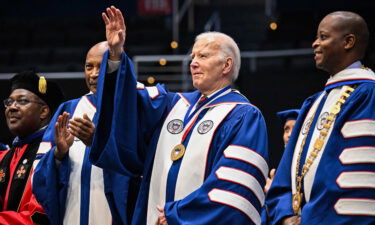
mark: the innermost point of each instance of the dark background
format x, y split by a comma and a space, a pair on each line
54, 36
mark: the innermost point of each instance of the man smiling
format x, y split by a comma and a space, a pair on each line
28, 110
69, 187
203, 155
326, 175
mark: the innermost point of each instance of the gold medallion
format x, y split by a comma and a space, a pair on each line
296, 202
297, 198
177, 152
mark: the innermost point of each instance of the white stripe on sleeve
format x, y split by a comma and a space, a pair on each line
247, 155
235, 201
241, 177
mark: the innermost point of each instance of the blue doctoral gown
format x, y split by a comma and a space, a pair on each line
220, 178
341, 191
52, 183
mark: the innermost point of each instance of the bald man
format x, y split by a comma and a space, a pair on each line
326, 175
69, 187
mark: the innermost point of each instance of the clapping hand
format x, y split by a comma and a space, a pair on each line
82, 128
63, 137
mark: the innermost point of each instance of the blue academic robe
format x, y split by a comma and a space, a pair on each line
340, 191
220, 178
68, 201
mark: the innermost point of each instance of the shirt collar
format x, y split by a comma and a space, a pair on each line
17, 142
355, 73
356, 65
212, 94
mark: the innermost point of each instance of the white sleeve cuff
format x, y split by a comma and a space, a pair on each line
113, 66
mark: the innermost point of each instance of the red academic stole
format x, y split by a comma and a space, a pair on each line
12, 188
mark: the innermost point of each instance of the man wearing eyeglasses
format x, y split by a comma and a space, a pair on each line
28, 110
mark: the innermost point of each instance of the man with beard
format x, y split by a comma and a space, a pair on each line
326, 175
28, 110
71, 190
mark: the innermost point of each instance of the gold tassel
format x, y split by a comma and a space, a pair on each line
42, 85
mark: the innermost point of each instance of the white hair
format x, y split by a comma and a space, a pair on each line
229, 48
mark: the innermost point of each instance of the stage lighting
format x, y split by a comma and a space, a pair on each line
150, 80
273, 26
162, 62
174, 44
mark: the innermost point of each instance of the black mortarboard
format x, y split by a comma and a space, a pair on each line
286, 115
48, 91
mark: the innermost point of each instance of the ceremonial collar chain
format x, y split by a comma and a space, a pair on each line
318, 145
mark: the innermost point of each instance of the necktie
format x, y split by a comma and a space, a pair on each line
201, 101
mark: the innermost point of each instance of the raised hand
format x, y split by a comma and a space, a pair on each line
63, 138
115, 32
82, 128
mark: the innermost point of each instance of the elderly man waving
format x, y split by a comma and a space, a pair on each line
203, 155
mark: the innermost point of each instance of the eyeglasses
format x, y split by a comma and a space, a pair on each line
19, 102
